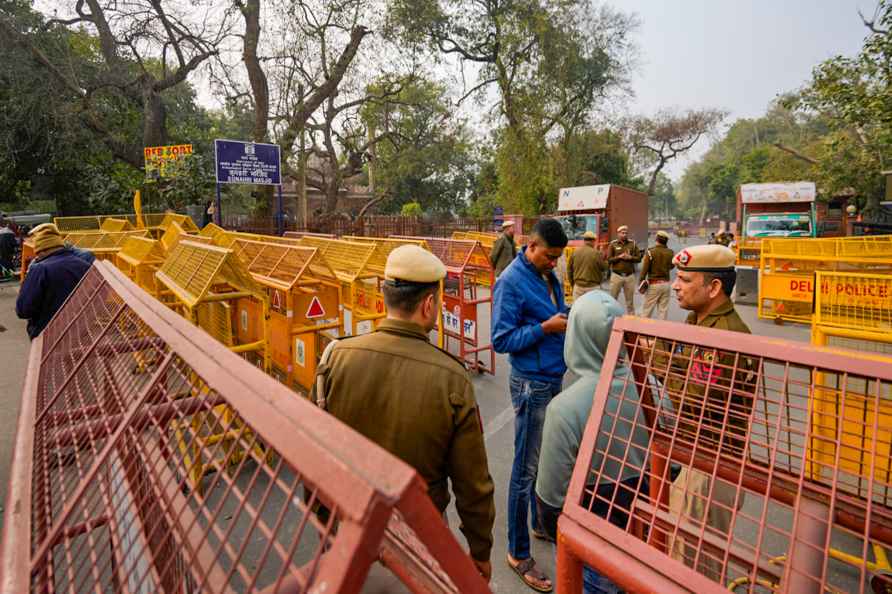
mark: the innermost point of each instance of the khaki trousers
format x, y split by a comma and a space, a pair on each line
580, 291
657, 297
691, 501
626, 284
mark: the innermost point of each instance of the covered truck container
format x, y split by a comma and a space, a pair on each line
601, 209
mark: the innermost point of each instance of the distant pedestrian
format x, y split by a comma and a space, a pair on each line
8, 246
586, 267
207, 215
622, 255
52, 276
529, 321
654, 279
503, 250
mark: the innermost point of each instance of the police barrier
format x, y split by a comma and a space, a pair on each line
753, 505
788, 266
99, 498
304, 302
463, 299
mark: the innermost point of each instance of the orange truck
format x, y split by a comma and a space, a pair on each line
601, 209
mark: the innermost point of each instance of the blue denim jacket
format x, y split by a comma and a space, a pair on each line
521, 302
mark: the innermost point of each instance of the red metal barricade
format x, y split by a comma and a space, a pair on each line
463, 295
100, 500
766, 467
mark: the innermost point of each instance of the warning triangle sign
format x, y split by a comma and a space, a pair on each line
315, 310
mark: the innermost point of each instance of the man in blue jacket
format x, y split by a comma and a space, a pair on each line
529, 321
52, 276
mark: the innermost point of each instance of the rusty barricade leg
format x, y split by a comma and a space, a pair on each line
764, 465
102, 497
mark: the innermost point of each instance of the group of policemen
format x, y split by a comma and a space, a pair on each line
417, 401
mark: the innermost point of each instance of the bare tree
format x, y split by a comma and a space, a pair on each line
147, 48
344, 143
668, 134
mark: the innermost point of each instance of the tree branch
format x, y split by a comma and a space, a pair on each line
795, 153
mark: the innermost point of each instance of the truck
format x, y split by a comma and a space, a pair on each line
601, 209
778, 210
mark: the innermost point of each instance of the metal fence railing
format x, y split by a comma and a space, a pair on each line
119, 399
746, 465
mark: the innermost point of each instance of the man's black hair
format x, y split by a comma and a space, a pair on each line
405, 297
551, 232
662, 240
726, 277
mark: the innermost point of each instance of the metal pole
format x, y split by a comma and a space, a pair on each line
280, 211
218, 213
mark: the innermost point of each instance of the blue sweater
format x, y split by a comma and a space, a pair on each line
48, 284
521, 302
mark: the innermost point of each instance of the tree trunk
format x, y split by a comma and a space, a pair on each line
331, 194
154, 116
256, 76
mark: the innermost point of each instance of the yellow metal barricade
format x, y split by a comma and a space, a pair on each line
139, 259
211, 230
788, 267
211, 288
361, 295
853, 311
104, 246
304, 303
749, 251
112, 224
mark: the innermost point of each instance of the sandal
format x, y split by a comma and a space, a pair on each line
532, 577
541, 535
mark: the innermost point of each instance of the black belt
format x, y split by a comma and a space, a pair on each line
623, 274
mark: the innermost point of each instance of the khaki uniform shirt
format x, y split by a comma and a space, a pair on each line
616, 249
417, 402
502, 253
657, 263
700, 382
586, 267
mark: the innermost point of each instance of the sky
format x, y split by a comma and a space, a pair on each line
735, 54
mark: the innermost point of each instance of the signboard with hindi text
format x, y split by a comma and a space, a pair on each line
240, 162
777, 192
157, 158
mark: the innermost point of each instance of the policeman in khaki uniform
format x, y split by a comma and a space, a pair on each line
413, 399
503, 250
712, 392
586, 267
654, 279
622, 255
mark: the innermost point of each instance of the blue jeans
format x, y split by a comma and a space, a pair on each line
529, 399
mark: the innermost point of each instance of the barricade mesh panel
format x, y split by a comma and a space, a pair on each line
348, 259
856, 301
121, 396
456, 254
761, 465
383, 247
278, 264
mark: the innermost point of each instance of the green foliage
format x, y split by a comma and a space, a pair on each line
525, 174
426, 152
411, 209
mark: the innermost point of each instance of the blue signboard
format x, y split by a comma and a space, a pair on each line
240, 162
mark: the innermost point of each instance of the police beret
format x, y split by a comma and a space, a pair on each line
662, 234
589, 235
414, 264
705, 258
507, 224
622, 228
